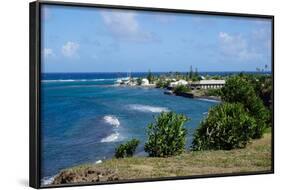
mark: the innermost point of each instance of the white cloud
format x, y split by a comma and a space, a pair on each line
69, 49
125, 25
237, 47
48, 52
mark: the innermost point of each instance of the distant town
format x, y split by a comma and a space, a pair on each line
191, 84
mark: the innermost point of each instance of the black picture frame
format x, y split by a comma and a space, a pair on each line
34, 78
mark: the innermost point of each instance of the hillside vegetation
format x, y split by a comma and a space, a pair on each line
255, 157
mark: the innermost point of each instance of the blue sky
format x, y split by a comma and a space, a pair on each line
79, 39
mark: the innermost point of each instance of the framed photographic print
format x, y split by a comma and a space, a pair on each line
133, 94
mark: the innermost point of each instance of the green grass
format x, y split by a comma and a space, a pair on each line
255, 157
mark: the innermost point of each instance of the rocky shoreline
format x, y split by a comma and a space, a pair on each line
85, 176
193, 95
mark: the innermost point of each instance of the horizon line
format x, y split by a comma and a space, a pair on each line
159, 72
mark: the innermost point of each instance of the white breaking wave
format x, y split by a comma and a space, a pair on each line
59, 80
77, 80
112, 120
111, 138
147, 108
98, 162
209, 100
47, 180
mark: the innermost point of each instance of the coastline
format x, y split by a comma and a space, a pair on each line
186, 95
116, 109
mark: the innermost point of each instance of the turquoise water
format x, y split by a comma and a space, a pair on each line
83, 120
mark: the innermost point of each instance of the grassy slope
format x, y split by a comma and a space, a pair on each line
255, 157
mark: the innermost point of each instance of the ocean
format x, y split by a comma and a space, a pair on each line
84, 117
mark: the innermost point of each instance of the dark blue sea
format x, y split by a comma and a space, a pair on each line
84, 117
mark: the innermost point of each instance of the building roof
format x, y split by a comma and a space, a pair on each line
210, 82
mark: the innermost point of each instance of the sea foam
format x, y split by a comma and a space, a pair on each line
98, 162
147, 108
112, 120
47, 180
111, 138
77, 80
208, 100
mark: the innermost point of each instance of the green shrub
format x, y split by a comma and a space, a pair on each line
261, 115
127, 149
167, 136
227, 126
238, 90
212, 92
139, 81
262, 85
264, 90
181, 89
162, 84
196, 78
217, 77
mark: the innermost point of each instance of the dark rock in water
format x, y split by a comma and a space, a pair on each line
185, 94
84, 176
168, 92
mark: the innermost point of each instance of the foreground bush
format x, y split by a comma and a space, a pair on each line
167, 136
262, 85
227, 126
239, 90
127, 149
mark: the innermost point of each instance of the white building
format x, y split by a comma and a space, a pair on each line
177, 83
144, 82
206, 84
182, 82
